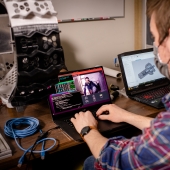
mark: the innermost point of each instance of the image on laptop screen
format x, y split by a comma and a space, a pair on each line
79, 89
140, 70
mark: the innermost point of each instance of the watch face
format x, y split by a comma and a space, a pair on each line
85, 130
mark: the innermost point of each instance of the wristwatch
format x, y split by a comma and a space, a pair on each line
86, 130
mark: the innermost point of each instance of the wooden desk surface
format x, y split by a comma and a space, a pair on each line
42, 112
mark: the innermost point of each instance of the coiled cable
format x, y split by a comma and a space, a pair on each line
11, 130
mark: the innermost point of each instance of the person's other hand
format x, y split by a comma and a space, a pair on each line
82, 119
116, 114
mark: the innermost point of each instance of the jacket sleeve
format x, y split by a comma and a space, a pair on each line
147, 151
94, 84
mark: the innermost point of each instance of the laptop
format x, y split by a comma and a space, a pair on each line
142, 80
72, 96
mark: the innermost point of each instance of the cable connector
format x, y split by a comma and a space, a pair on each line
21, 160
43, 155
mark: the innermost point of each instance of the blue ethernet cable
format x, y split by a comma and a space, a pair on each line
33, 127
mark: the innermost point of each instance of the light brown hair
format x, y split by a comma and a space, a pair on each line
161, 8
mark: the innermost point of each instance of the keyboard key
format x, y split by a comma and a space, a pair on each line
71, 124
154, 94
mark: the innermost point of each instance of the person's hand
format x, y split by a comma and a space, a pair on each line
116, 114
83, 119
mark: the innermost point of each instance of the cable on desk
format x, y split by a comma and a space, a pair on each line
32, 127
42, 135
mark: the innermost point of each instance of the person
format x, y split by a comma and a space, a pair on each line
91, 86
151, 149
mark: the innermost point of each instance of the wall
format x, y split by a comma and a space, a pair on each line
138, 24
144, 17
147, 40
91, 43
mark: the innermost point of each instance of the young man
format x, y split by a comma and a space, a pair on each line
151, 150
91, 86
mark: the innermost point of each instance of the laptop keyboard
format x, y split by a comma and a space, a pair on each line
154, 94
71, 124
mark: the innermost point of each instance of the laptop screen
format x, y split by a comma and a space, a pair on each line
77, 90
139, 70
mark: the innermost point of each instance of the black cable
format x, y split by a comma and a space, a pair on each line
42, 136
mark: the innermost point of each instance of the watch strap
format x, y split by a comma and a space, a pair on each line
91, 127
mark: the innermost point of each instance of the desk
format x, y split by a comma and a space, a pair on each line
42, 112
